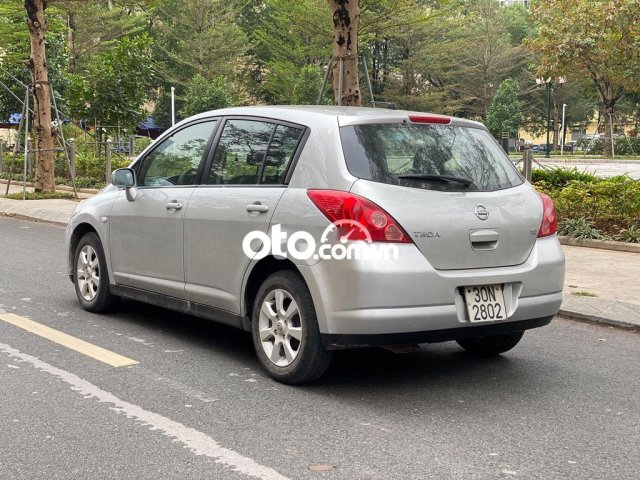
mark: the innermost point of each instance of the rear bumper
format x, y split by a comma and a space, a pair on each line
408, 296
337, 341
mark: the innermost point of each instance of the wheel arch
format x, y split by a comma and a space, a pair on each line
257, 275
79, 231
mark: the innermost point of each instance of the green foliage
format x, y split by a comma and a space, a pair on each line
623, 146
203, 95
630, 234
41, 196
505, 114
583, 293
579, 228
559, 177
118, 82
589, 206
197, 37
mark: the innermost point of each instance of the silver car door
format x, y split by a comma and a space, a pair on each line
147, 234
239, 195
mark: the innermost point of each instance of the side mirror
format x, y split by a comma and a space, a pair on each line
125, 178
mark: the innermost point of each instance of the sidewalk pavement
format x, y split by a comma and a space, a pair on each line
600, 286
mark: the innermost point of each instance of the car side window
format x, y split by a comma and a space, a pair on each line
282, 148
240, 153
176, 159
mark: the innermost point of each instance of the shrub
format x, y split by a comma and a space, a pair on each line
631, 234
622, 145
559, 177
579, 228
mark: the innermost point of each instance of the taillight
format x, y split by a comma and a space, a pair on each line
344, 209
439, 119
549, 224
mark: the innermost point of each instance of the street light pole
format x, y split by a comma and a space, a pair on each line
548, 83
549, 87
564, 107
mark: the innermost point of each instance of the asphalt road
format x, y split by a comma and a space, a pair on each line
563, 404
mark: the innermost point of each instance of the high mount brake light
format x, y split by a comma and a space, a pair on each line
549, 224
430, 119
339, 206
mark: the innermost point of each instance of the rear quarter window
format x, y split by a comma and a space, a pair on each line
413, 155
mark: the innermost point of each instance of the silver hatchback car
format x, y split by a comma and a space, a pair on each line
321, 228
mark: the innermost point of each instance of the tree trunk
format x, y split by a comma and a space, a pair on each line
45, 175
346, 17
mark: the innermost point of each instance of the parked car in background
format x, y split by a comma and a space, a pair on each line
204, 222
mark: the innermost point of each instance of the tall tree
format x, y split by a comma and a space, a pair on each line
37, 63
346, 18
505, 112
596, 40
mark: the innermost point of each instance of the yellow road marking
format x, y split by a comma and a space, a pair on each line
73, 343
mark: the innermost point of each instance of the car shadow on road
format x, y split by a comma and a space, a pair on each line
431, 369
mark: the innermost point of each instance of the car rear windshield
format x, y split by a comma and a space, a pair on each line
434, 157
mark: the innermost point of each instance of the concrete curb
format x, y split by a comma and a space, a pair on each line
64, 188
611, 322
602, 244
17, 216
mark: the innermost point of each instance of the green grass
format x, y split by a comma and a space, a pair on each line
41, 196
583, 293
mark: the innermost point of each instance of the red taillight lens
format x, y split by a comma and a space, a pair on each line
549, 224
344, 208
430, 119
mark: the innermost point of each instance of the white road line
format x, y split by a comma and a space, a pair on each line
196, 441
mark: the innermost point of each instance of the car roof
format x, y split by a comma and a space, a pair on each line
344, 115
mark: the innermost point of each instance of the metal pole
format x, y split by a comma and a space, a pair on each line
366, 74
549, 87
564, 107
131, 145
16, 145
173, 106
1, 155
26, 145
64, 142
324, 82
340, 78
29, 158
613, 148
527, 160
108, 162
72, 160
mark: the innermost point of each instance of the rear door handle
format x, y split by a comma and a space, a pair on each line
257, 207
173, 205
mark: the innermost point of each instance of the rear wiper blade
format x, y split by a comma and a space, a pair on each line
438, 178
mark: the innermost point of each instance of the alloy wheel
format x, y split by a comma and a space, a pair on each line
88, 273
280, 327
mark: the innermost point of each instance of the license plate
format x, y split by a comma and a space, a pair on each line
485, 303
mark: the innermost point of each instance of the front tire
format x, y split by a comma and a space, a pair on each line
492, 345
285, 330
90, 275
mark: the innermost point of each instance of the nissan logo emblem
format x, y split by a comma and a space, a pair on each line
481, 212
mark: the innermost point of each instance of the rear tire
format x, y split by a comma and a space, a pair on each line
90, 275
285, 330
492, 345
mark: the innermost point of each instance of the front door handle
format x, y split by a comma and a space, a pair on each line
173, 205
257, 207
